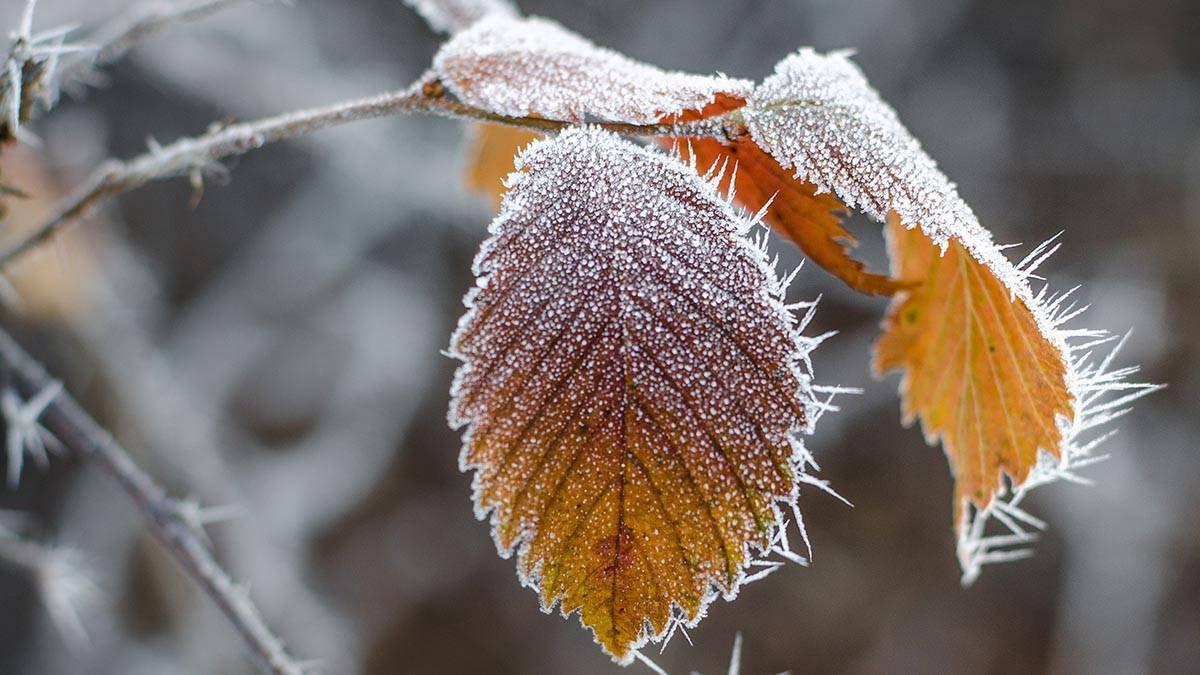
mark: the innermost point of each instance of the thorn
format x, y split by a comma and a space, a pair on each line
735, 659
198, 518
25, 434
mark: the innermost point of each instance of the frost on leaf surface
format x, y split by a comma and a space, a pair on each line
632, 389
989, 368
810, 219
535, 67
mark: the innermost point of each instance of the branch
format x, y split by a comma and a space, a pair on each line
111, 43
200, 155
39, 65
168, 519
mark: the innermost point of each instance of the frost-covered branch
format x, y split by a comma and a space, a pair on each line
39, 65
200, 155
176, 524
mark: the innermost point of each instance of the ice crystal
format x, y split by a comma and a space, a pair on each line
626, 338
534, 66
25, 434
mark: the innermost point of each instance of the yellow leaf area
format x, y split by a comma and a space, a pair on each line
978, 370
490, 159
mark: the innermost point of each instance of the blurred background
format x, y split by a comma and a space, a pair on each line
275, 348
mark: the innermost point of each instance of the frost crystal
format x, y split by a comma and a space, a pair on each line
452, 16
818, 115
633, 387
521, 67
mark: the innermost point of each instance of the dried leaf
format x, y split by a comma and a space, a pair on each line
980, 372
818, 116
535, 67
632, 388
494, 148
988, 368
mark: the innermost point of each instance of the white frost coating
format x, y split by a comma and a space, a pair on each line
452, 16
608, 253
534, 66
818, 115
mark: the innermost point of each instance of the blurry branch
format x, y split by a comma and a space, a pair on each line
198, 156
111, 43
39, 65
452, 16
63, 585
27, 71
176, 524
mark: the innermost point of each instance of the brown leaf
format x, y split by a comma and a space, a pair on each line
535, 67
979, 370
632, 387
490, 158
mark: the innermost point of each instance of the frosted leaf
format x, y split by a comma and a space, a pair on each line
990, 368
534, 66
818, 115
452, 16
632, 389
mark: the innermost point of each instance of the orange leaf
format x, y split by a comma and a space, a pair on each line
632, 387
810, 220
979, 370
490, 159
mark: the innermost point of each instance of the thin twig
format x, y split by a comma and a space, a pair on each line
199, 155
167, 518
113, 42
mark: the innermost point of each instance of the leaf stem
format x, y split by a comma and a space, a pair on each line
199, 155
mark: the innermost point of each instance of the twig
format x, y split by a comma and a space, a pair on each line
113, 42
39, 65
199, 155
167, 518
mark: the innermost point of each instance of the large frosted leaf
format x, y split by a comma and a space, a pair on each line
632, 389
